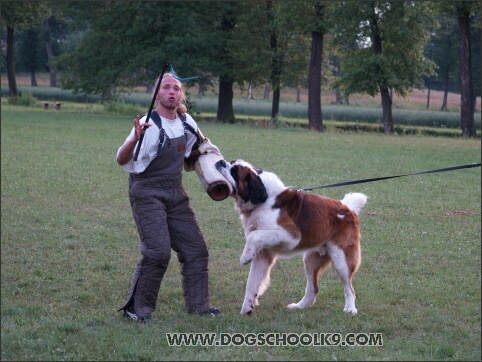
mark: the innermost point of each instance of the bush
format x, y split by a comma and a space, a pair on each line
123, 108
297, 112
24, 99
54, 94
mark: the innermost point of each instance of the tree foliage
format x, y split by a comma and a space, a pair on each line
382, 46
402, 27
374, 47
110, 54
19, 15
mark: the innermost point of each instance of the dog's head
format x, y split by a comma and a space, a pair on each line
245, 181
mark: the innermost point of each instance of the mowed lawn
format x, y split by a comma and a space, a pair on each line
69, 247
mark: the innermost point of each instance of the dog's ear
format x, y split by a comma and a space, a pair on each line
256, 190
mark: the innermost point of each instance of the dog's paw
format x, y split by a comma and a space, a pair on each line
303, 303
293, 306
245, 259
246, 311
247, 256
350, 310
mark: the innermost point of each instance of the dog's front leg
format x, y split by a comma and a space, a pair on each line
248, 254
266, 239
258, 280
250, 248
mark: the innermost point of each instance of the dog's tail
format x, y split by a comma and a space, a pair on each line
355, 201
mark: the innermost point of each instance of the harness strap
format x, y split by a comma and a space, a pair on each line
191, 129
162, 133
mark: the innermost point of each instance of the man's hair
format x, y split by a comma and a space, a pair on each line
181, 108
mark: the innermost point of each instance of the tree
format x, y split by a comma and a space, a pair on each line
315, 121
467, 98
382, 47
465, 11
29, 55
53, 31
222, 36
289, 27
18, 15
150, 34
225, 111
122, 48
476, 55
276, 59
37, 46
444, 50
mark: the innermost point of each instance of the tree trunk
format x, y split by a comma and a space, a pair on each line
225, 112
50, 55
267, 89
387, 119
315, 121
444, 101
466, 87
275, 64
250, 92
275, 103
33, 79
12, 82
429, 78
200, 90
337, 73
338, 99
446, 89
428, 95
106, 95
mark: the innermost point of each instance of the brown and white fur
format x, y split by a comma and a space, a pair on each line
281, 222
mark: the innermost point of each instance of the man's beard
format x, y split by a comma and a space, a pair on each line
169, 105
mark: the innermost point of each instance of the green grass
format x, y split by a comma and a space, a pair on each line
69, 245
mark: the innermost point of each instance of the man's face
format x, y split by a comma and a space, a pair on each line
169, 92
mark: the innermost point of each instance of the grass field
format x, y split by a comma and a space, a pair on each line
69, 246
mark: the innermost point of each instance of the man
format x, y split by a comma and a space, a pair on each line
160, 205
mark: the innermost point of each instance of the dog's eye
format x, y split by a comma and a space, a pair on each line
234, 171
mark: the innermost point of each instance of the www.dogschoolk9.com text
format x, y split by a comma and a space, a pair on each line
274, 339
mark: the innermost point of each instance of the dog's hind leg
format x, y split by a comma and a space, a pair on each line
346, 266
315, 263
258, 279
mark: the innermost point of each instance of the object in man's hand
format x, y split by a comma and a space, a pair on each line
216, 186
212, 180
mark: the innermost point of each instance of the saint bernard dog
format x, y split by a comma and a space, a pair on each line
280, 221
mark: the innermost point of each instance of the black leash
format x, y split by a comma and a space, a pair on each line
389, 177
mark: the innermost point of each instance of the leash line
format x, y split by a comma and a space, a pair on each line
389, 177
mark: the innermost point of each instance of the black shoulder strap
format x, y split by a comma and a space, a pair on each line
155, 117
158, 121
182, 117
162, 133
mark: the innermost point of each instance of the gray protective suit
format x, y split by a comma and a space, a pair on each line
165, 220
